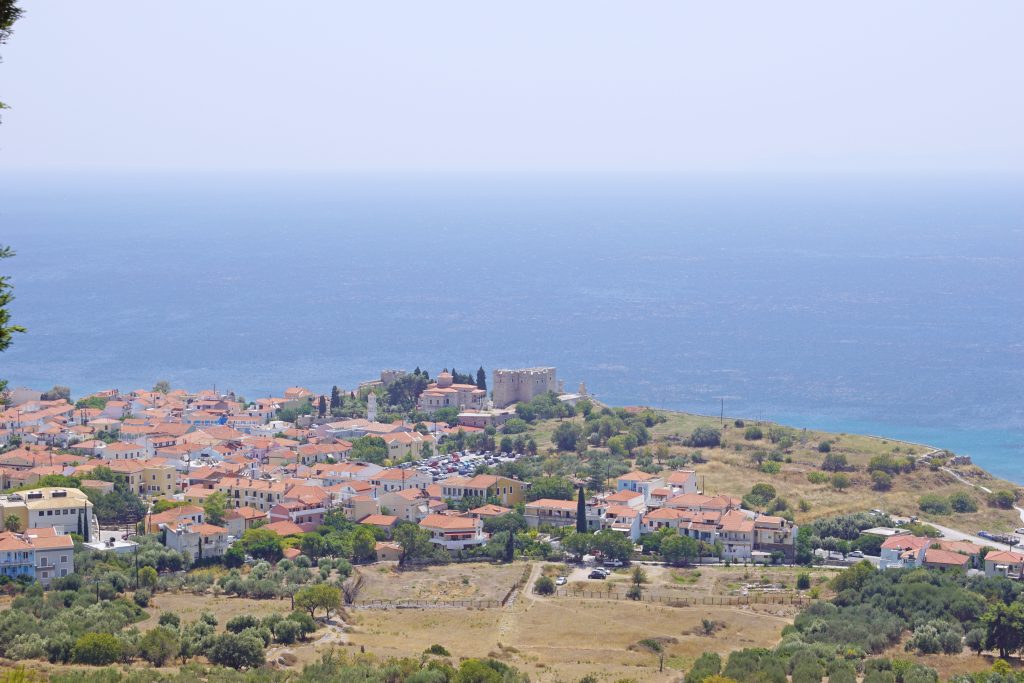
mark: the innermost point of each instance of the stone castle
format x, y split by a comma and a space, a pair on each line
512, 386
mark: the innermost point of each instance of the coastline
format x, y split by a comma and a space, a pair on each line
843, 427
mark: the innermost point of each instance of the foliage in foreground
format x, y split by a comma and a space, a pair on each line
333, 667
873, 611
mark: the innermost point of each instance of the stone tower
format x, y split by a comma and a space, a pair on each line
371, 407
513, 386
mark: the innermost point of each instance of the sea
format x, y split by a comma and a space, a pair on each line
883, 305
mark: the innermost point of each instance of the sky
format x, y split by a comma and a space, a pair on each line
575, 85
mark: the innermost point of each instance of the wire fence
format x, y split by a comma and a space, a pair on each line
690, 600
427, 604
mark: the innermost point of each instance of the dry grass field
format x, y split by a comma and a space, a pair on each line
564, 639
468, 581
189, 607
711, 581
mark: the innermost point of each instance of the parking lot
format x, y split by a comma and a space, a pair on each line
459, 464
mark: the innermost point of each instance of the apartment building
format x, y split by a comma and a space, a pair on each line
261, 494
200, 541
38, 554
66, 510
485, 487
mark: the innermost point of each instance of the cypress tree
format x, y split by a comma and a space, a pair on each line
581, 513
510, 545
481, 379
335, 397
321, 407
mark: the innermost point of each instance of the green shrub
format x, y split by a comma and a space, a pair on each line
704, 437
934, 503
808, 672
803, 581
142, 597
237, 651
98, 649
544, 586
436, 649
708, 664
834, 462
817, 477
961, 502
753, 434
170, 619
159, 645
287, 631
1002, 499
934, 637
241, 622
306, 623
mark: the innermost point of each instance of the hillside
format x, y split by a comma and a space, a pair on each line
731, 468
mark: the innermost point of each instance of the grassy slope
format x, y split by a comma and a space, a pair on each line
731, 471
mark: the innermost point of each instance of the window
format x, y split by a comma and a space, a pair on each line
64, 559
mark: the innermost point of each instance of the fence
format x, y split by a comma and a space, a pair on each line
670, 601
690, 601
519, 584
427, 604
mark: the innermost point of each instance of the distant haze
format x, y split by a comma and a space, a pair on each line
654, 86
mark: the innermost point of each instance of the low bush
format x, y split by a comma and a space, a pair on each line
934, 504
544, 586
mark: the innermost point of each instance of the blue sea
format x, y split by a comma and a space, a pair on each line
892, 306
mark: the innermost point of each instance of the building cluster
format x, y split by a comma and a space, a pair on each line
187, 446
287, 477
901, 549
646, 503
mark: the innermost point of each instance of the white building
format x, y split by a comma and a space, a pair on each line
455, 532
200, 541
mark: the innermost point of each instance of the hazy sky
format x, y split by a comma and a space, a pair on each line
563, 85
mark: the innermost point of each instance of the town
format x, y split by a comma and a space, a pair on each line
285, 477
415, 474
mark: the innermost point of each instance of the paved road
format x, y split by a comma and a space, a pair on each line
955, 535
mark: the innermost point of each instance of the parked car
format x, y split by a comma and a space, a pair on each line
560, 581
597, 575
855, 553
613, 563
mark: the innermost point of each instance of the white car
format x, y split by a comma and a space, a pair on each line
560, 581
855, 553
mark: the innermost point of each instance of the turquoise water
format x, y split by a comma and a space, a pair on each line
890, 306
